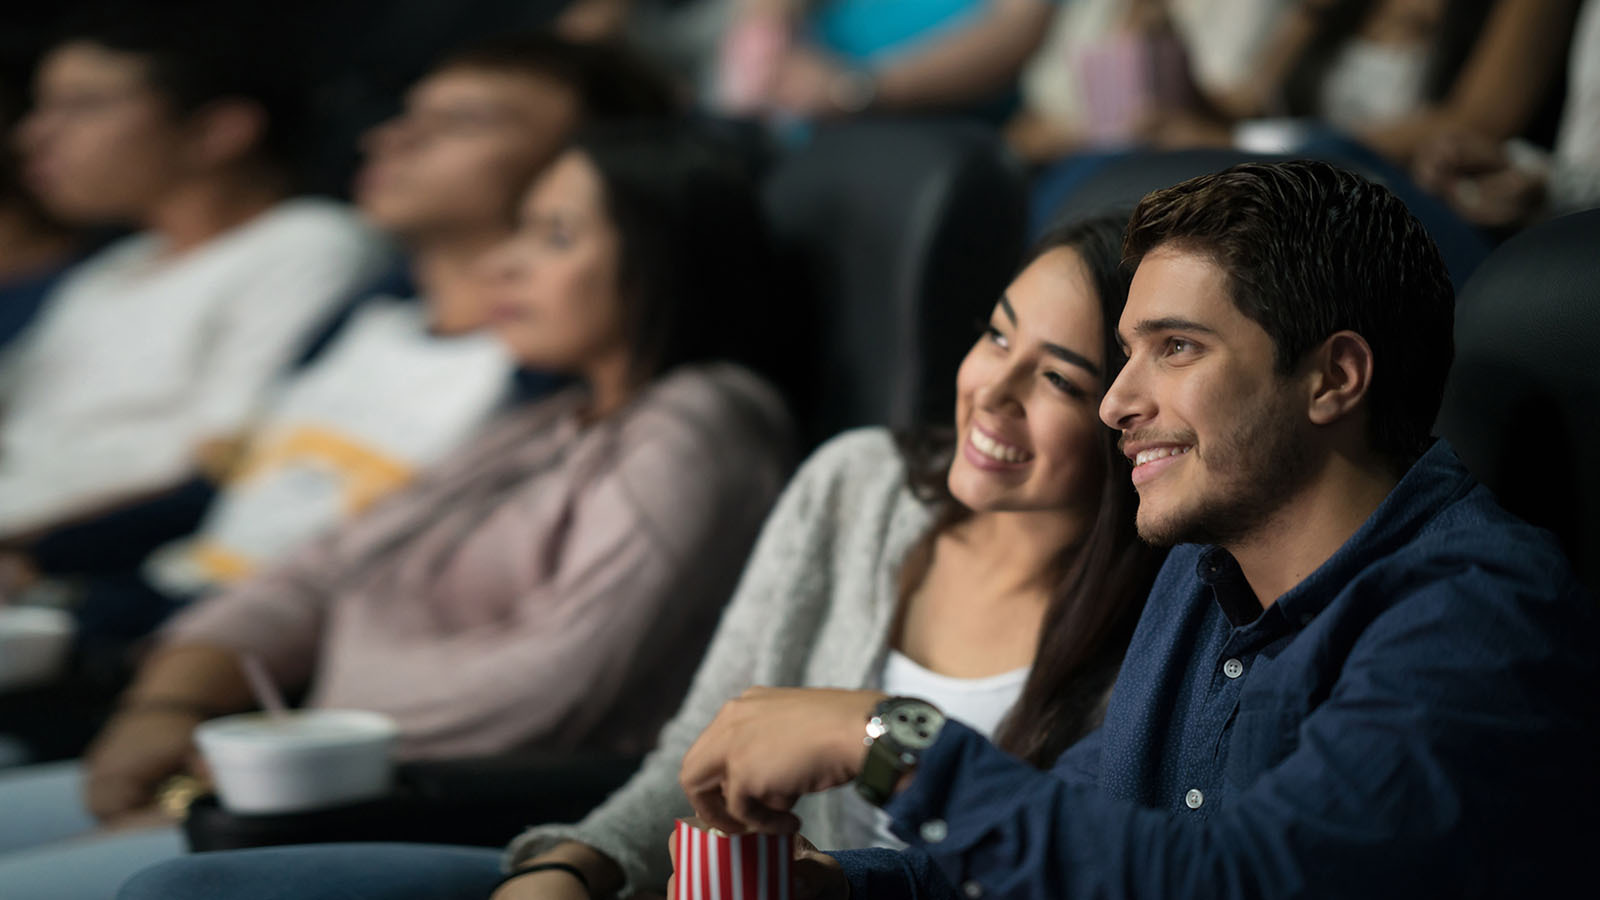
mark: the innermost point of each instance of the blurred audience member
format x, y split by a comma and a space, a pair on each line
554, 582
1388, 72
681, 35
404, 381
1510, 184
799, 60
1110, 67
993, 565
170, 337
35, 248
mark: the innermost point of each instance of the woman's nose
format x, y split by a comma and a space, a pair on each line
1002, 392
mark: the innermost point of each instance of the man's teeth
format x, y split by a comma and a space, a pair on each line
1145, 456
997, 451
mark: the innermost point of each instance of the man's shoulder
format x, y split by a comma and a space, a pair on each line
1475, 537
311, 226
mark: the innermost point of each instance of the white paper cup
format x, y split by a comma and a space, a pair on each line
306, 760
33, 644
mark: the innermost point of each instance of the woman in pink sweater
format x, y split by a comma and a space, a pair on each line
554, 583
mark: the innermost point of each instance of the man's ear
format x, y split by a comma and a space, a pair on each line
226, 131
1340, 375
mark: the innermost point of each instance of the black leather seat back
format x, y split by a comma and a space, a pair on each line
1522, 406
905, 232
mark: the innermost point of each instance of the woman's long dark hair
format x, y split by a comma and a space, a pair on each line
1341, 20
1100, 582
694, 247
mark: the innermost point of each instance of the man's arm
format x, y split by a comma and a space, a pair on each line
1458, 740
971, 62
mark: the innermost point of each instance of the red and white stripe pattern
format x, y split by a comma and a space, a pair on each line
717, 866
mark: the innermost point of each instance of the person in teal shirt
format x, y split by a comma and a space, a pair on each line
799, 60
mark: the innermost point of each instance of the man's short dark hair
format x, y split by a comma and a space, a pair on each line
609, 79
1309, 249
199, 53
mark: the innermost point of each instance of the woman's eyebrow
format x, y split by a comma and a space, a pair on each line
1055, 350
1066, 355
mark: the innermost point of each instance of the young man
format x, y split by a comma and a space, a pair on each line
1358, 677
168, 338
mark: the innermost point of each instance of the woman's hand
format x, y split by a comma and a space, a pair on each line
601, 875
134, 753
546, 885
817, 876
769, 747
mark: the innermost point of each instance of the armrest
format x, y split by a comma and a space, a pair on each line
482, 801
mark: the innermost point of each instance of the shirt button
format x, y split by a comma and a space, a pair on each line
1194, 798
1233, 668
972, 889
934, 830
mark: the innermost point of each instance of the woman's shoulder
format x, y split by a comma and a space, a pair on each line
858, 457
716, 405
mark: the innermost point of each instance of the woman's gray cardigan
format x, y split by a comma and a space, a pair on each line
813, 609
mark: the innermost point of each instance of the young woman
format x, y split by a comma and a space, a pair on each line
993, 566
552, 584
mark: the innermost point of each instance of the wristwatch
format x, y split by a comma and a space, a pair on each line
900, 729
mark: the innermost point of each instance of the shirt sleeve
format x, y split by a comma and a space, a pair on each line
266, 320
277, 616
1409, 780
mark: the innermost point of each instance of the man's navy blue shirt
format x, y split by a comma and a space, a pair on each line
1417, 718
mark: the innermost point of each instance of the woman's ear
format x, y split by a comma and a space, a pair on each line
1340, 377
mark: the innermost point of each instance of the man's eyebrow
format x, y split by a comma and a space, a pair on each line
1170, 323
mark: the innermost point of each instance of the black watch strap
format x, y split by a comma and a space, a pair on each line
568, 868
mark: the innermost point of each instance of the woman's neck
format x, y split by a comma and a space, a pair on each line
1019, 552
612, 384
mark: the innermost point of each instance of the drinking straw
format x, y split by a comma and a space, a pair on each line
267, 694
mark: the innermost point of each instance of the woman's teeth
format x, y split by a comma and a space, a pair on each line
1145, 456
997, 451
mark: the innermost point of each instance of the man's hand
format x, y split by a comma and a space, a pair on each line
817, 876
1457, 155
769, 747
132, 755
804, 83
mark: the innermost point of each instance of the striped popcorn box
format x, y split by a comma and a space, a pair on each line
714, 865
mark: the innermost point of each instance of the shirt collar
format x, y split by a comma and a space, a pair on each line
1434, 481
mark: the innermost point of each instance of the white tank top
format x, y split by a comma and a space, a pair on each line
1374, 84
979, 703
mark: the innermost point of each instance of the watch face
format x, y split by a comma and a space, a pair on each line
914, 725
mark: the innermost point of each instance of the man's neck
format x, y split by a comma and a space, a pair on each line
25, 249
201, 210
1315, 523
447, 275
